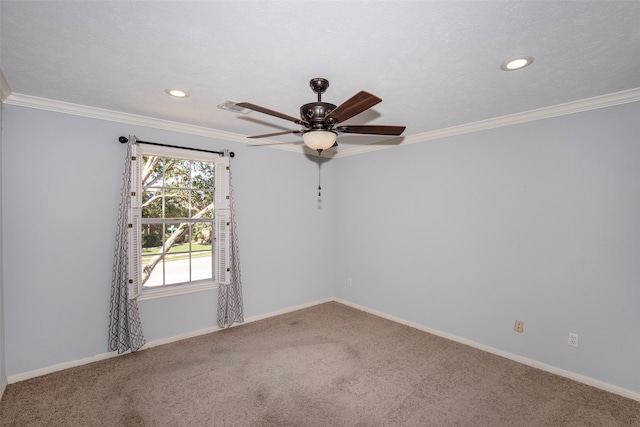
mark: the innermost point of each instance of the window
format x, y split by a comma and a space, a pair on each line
180, 219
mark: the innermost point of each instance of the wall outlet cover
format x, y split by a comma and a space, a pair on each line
519, 326
573, 339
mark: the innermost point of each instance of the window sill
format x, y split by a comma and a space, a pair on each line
167, 291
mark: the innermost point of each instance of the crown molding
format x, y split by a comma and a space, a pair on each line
623, 97
609, 100
5, 89
116, 116
53, 105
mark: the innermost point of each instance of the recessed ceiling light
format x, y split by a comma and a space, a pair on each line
516, 63
178, 93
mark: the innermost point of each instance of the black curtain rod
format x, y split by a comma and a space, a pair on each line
124, 140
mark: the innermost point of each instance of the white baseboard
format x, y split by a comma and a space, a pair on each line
103, 356
211, 329
520, 359
11, 379
3, 387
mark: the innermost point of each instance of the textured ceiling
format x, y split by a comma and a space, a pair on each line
435, 64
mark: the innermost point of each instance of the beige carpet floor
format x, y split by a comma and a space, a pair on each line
327, 365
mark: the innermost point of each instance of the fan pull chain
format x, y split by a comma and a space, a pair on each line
319, 188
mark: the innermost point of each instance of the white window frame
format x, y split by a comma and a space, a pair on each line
221, 232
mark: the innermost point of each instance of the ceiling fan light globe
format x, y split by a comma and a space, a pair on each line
319, 139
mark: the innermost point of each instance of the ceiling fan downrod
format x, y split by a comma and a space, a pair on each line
319, 86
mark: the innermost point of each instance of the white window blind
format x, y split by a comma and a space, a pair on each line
222, 219
135, 282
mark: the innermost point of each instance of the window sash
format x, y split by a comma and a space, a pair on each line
221, 203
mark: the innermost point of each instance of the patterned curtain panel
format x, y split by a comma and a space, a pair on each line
125, 331
230, 296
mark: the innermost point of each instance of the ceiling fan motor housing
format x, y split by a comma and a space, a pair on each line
315, 112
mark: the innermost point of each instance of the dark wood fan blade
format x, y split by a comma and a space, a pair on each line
372, 129
358, 103
263, 110
275, 134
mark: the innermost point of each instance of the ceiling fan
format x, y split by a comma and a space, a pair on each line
320, 119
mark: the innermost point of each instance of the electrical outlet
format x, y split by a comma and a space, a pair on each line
573, 339
519, 326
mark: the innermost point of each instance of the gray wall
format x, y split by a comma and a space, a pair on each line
537, 222
3, 367
61, 178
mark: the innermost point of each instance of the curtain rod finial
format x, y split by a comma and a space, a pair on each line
123, 140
